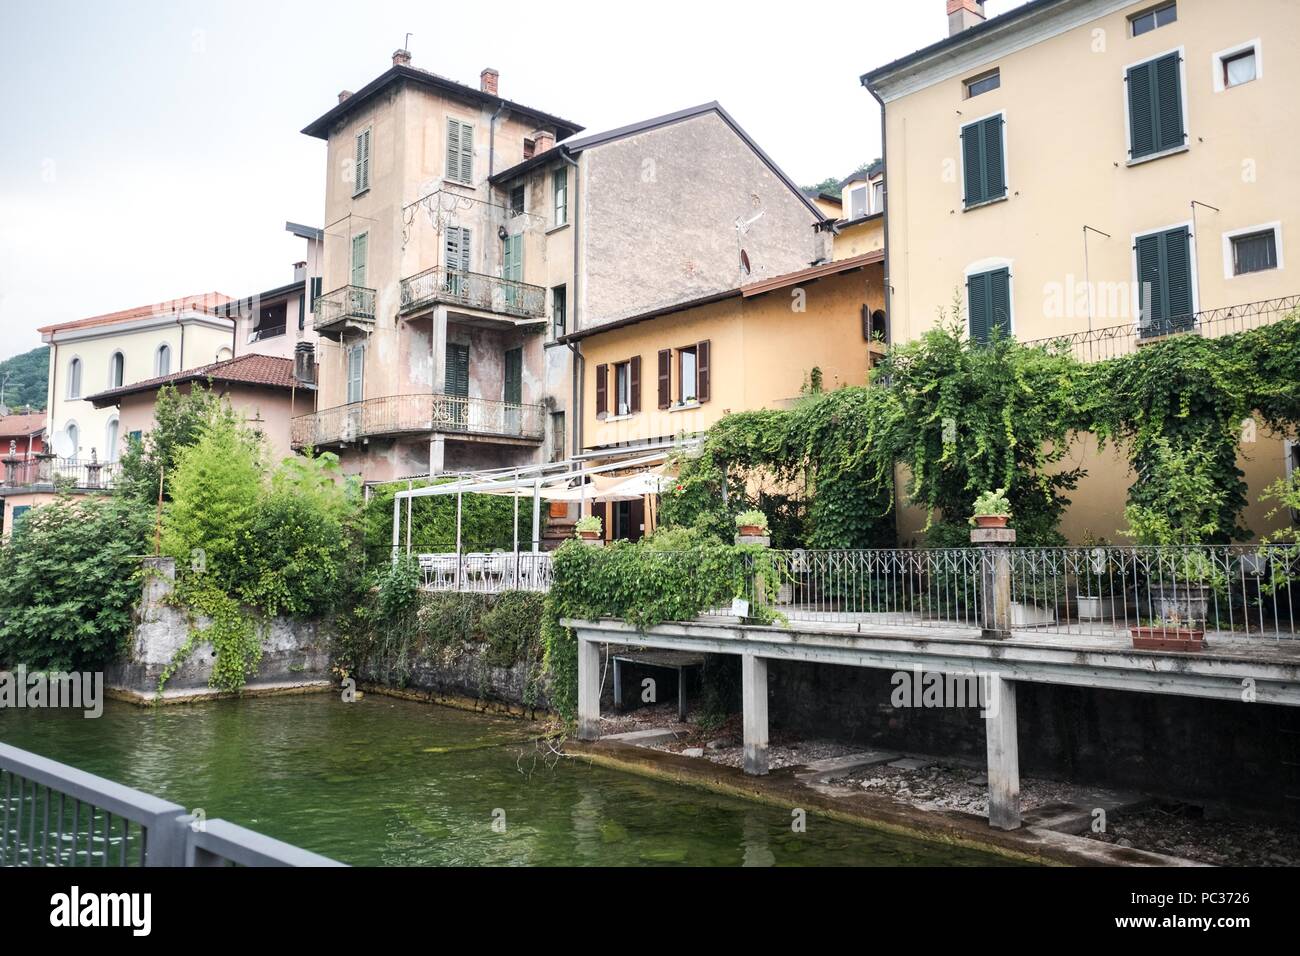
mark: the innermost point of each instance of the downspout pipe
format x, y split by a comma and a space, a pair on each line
579, 364
884, 158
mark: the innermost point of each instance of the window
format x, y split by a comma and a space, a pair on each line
163, 360
360, 253
456, 251
1254, 251
74, 439
361, 169
626, 385
1239, 68
878, 196
858, 202
1148, 20
557, 436
1164, 274
356, 373
302, 311
988, 303
1155, 106
560, 193
512, 267
687, 375
74, 378
460, 151
271, 321
116, 370
559, 309
110, 440
135, 436
516, 205
316, 289
983, 83
456, 380
983, 164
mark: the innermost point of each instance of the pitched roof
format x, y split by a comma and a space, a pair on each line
858, 175
811, 274
200, 302
574, 146
25, 424
969, 35
267, 371
320, 127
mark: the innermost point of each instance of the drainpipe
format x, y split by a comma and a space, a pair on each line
492, 143
884, 158
579, 365
54, 385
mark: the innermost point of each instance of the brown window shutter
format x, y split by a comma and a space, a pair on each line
702, 375
602, 389
634, 384
665, 377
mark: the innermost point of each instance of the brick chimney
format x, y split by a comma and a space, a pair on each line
344, 95
487, 81
401, 58
964, 14
543, 140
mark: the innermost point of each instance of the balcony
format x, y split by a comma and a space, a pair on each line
418, 414
350, 308
49, 473
473, 290
265, 332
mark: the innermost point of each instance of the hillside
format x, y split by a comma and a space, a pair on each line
24, 378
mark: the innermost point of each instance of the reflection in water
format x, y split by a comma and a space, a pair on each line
393, 782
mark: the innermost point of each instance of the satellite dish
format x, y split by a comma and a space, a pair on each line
63, 445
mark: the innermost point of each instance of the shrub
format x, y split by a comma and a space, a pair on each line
587, 524
69, 577
751, 518
992, 503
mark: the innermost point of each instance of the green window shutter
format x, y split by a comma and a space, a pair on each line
1000, 300
453, 149
560, 187
359, 244
513, 392
1155, 106
1164, 266
457, 254
460, 151
512, 266
457, 380
977, 295
361, 177
356, 370
983, 162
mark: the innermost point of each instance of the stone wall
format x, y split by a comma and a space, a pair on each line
462, 676
295, 654
1223, 752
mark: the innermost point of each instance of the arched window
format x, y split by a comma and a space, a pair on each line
163, 363
110, 440
116, 370
74, 378
74, 439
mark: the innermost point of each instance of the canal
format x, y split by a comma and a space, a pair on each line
392, 782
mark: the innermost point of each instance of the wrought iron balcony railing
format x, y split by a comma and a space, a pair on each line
420, 414
351, 306
473, 290
48, 472
1095, 345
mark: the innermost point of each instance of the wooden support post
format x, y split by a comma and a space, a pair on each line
753, 692
618, 686
588, 690
1003, 750
995, 580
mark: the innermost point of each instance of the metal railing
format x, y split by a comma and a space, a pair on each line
489, 573
350, 303
266, 332
44, 472
1107, 592
56, 815
1096, 345
397, 414
473, 290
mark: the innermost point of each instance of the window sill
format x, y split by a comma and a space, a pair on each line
685, 407
1151, 157
619, 418
560, 228
986, 202
361, 192
446, 181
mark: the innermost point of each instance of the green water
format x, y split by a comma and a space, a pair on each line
390, 782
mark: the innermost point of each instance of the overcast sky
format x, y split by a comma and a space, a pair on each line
152, 149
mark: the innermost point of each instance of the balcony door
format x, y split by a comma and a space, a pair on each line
513, 391
456, 386
512, 267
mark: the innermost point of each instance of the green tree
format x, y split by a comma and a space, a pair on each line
179, 418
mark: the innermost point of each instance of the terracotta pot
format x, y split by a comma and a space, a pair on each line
1170, 638
991, 521
589, 535
751, 530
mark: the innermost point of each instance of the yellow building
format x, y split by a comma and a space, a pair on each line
1103, 170
656, 377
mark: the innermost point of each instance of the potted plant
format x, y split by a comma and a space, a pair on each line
992, 510
1094, 599
751, 524
588, 528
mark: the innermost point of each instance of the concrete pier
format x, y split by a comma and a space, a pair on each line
753, 690
588, 690
1004, 752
